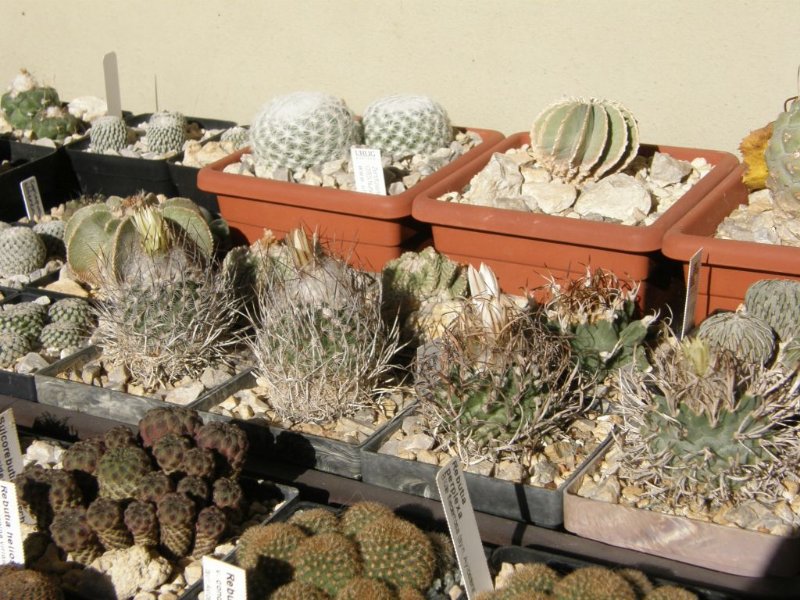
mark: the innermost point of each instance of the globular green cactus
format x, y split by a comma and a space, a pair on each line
776, 301
297, 590
105, 517
578, 139
108, 133
327, 561
238, 136
747, 336
120, 470
302, 129
55, 123
360, 514
176, 516
71, 532
363, 588
228, 442
26, 98
209, 529
152, 486
227, 494
64, 491
23, 318
593, 583
670, 592
59, 336
52, 234
315, 520
529, 578
264, 551
783, 160
27, 584
21, 251
142, 521
161, 421
406, 124
169, 452
165, 132
199, 462
13, 346
74, 311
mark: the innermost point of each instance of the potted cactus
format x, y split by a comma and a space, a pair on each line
154, 499
704, 459
576, 191
746, 225
305, 138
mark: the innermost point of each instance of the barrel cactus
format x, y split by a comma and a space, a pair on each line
747, 336
302, 129
783, 160
21, 251
581, 139
776, 301
108, 134
24, 99
166, 132
403, 124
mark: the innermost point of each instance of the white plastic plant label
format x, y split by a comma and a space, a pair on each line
9, 446
111, 75
692, 290
368, 170
223, 581
31, 197
463, 529
11, 547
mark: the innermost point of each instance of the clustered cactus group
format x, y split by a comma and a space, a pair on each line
30, 107
172, 487
366, 552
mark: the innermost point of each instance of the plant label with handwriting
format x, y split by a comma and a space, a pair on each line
31, 197
463, 529
11, 547
692, 290
368, 170
223, 581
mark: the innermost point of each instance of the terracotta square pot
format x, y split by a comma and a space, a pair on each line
526, 249
728, 267
367, 229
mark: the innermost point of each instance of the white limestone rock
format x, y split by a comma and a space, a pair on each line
619, 197
551, 197
119, 574
500, 178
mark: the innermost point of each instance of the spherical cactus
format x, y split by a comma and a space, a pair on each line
27, 584
199, 462
120, 436
161, 421
363, 588
33, 488
228, 441
13, 346
21, 251
227, 494
59, 336
52, 234
83, 456
670, 592
105, 517
108, 134
166, 132
120, 470
54, 123
23, 318
152, 486
359, 515
238, 136
176, 513
783, 160
327, 561
195, 488
402, 125
297, 590
210, 527
315, 520
776, 301
264, 552
71, 532
26, 98
75, 311
397, 552
64, 491
531, 577
640, 582
579, 139
142, 521
744, 335
302, 129
169, 452
593, 582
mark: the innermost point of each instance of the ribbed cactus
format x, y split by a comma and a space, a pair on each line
64, 491
52, 234
745, 335
302, 129
578, 139
165, 132
142, 521
75, 312
783, 160
108, 134
209, 529
24, 99
24, 318
59, 336
776, 301
405, 124
21, 251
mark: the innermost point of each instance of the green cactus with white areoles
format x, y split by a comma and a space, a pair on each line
593, 583
302, 129
60, 336
21, 251
238, 136
74, 311
119, 471
13, 346
24, 318
583, 139
166, 132
327, 561
745, 335
404, 124
776, 301
108, 134
24, 99
52, 234
55, 123
783, 160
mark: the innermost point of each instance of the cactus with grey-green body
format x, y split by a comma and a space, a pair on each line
584, 139
25, 99
745, 335
59, 336
165, 132
108, 133
776, 301
13, 346
783, 160
21, 251
52, 234
302, 129
24, 318
120, 470
238, 136
404, 124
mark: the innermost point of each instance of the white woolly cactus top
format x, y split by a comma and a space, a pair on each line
23, 82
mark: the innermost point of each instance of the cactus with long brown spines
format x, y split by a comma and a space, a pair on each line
120, 470
152, 486
169, 452
105, 517
141, 520
176, 514
228, 441
161, 421
71, 532
209, 529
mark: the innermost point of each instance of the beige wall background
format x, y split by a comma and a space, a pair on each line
697, 73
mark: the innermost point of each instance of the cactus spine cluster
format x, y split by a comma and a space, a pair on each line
783, 160
583, 139
302, 129
402, 125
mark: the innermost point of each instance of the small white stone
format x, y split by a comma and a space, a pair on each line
552, 197
185, 394
614, 197
30, 363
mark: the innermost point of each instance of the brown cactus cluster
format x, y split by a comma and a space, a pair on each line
173, 485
